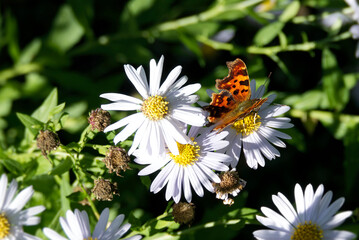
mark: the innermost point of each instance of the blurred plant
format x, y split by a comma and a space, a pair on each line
74, 51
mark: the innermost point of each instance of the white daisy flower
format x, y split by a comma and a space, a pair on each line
193, 166
76, 226
162, 111
12, 218
354, 30
256, 133
312, 219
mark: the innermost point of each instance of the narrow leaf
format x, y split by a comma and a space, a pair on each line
268, 33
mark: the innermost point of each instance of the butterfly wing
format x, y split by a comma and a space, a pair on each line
237, 82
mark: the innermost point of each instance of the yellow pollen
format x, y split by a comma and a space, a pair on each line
90, 238
4, 226
155, 107
307, 231
248, 124
188, 154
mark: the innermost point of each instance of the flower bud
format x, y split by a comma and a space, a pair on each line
99, 119
104, 190
183, 213
116, 160
47, 141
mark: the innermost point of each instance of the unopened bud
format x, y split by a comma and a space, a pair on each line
47, 141
117, 160
183, 213
99, 119
104, 190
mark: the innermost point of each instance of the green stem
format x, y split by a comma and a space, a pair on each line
307, 46
216, 11
88, 197
324, 115
209, 225
18, 70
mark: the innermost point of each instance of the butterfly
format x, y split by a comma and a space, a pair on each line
234, 100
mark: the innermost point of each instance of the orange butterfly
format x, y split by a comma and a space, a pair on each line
234, 101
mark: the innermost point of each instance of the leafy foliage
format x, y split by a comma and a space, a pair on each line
71, 52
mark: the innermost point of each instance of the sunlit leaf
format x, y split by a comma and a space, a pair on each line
42, 113
32, 124
290, 11
333, 83
266, 34
66, 30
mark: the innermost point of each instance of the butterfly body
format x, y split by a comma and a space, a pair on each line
234, 100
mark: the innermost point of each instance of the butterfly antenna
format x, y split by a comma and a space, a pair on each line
266, 83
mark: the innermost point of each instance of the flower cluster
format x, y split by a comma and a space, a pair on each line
188, 159
76, 225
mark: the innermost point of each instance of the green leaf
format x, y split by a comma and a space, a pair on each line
83, 11
30, 123
333, 82
290, 11
63, 167
166, 224
13, 166
57, 109
30, 51
351, 161
66, 30
42, 113
268, 33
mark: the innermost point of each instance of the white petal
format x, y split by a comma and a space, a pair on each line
52, 235
203, 178
121, 106
155, 75
120, 97
187, 187
162, 178
21, 199
171, 188
171, 78
271, 235
337, 220
124, 121
285, 208
137, 81
330, 211
299, 202
141, 72
3, 187
101, 224
128, 130
138, 136
338, 235
210, 174
194, 181
286, 226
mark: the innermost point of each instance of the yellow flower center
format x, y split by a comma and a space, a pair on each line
307, 231
4, 226
248, 124
188, 154
90, 238
155, 107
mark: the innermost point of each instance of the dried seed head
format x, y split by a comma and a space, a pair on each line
183, 213
47, 141
104, 190
99, 119
230, 184
116, 160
